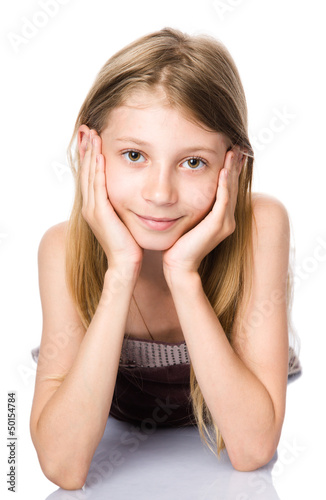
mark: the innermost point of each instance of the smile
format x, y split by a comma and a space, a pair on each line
157, 224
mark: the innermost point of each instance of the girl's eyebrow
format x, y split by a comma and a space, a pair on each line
139, 142
133, 139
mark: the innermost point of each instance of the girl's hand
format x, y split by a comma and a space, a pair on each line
189, 250
121, 249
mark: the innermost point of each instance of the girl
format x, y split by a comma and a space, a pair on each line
164, 296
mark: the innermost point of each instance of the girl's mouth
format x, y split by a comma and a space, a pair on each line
157, 224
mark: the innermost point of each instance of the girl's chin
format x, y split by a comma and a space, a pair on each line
155, 242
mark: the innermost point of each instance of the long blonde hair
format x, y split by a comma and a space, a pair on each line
198, 76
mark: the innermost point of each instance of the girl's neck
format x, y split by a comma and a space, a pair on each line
152, 269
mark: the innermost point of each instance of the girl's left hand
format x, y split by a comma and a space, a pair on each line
189, 250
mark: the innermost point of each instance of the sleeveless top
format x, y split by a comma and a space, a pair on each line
152, 387
153, 384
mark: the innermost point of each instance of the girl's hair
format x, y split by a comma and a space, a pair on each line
198, 76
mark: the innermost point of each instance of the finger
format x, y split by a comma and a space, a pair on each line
99, 182
222, 197
84, 170
227, 186
230, 162
223, 193
92, 165
100, 193
233, 166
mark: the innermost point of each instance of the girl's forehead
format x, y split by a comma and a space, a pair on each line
137, 100
155, 107
153, 118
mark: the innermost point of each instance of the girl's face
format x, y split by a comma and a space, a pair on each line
161, 169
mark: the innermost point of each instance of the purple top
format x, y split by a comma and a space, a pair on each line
152, 386
153, 383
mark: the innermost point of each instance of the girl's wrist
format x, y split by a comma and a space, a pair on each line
181, 280
121, 277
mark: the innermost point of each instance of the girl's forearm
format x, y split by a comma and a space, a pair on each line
73, 420
239, 403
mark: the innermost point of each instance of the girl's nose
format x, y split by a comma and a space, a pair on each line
159, 186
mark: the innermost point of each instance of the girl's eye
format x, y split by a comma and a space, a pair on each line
133, 156
194, 163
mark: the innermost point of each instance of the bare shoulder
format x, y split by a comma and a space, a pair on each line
53, 240
265, 205
58, 306
271, 219
52, 255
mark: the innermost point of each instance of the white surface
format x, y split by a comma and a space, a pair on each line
146, 463
170, 463
279, 48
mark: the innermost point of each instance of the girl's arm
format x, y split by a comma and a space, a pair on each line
70, 411
68, 417
244, 386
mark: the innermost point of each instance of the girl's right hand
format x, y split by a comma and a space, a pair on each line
120, 247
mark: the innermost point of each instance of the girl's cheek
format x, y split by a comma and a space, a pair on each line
203, 199
113, 188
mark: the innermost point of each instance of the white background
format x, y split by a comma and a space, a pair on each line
279, 48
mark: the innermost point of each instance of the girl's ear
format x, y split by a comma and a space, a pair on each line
83, 131
241, 156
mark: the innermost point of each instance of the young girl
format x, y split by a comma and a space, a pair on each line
164, 296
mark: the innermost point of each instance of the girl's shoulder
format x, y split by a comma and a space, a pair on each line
57, 303
52, 247
263, 201
58, 230
54, 236
268, 210
271, 222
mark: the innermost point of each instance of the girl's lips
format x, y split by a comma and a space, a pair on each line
157, 224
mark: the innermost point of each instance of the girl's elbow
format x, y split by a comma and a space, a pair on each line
247, 462
66, 478
66, 472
